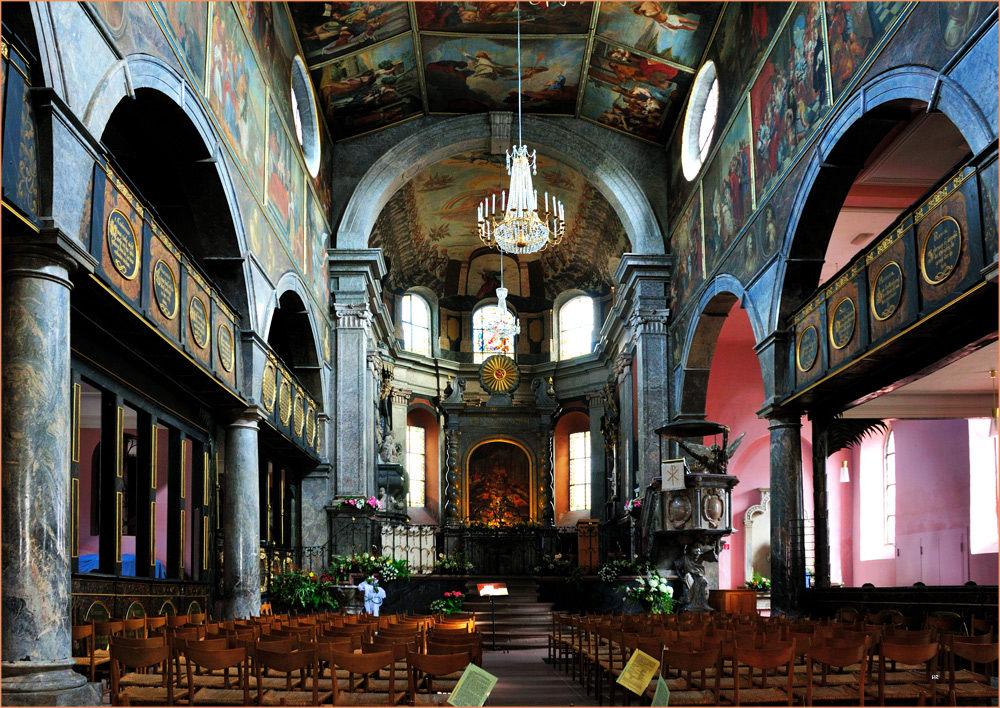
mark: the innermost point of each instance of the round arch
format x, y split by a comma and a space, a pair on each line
529, 473
288, 317
832, 168
472, 133
713, 308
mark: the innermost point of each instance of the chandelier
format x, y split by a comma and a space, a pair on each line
519, 227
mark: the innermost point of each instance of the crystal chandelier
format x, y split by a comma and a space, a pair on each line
507, 326
519, 227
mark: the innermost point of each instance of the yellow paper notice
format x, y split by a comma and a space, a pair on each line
638, 672
473, 688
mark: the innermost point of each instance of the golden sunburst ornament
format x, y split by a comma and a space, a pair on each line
499, 374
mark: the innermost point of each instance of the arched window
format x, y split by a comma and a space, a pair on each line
416, 464
889, 487
416, 325
579, 471
576, 327
488, 326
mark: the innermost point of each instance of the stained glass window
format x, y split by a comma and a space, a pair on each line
416, 325
416, 464
576, 327
579, 471
490, 328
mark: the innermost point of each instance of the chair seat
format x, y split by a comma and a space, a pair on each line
431, 699
280, 684
151, 696
968, 690
365, 699
294, 698
898, 691
689, 698
840, 694
219, 696
770, 696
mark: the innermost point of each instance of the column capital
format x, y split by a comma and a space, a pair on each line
623, 363
249, 418
400, 396
354, 315
778, 417
649, 321
595, 399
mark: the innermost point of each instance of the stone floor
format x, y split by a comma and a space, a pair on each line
526, 680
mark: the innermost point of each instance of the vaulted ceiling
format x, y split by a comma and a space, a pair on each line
626, 66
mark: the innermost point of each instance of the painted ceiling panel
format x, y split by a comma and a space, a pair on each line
329, 30
677, 32
501, 17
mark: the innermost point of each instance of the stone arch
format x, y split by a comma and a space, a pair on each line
713, 308
130, 79
293, 322
834, 164
470, 133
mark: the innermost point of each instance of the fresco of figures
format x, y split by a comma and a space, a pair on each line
789, 97
676, 31
318, 240
371, 88
631, 92
689, 253
502, 17
274, 40
854, 29
188, 22
329, 30
727, 189
480, 74
236, 91
931, 34
284, 186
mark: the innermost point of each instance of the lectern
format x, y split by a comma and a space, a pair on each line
492, 590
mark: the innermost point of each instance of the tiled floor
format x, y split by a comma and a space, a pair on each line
526, 680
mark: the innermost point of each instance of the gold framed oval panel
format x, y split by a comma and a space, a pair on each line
227, 351
807, 348
269, 386
941, 251
285, 401
198, 321
165, 289
887, 291
123, 245
299, 413
843, 322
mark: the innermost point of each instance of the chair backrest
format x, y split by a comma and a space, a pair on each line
284, 644
985, 653
155, 622
908, 652
139, 642
398, 650
109, 628
213, 658
126, 657
286, 662
210, 644
437, 664
895, 635
695, 660
177, 620
765, 658
353, 640
949, 622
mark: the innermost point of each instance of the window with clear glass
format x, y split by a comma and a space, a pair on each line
416, 464
699, 121
490, 333
576, 327
579, 471
889, 480
416, 325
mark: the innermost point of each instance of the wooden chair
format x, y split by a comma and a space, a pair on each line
90, 660
370, 688
124, 658
765, 659
216, 690
424, 670
153, 623
840, 655
135, 628
177, 620
473, 643
903, 685
976, 688
285, 662
684, 692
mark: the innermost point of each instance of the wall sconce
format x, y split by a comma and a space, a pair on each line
845, 474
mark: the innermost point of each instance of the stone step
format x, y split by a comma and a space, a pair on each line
524, 608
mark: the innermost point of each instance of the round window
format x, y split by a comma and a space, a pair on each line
699, 121
305, 115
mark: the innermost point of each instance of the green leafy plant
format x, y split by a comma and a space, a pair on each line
554, 565
369, 565
610, 570
305, 589
758, 582
451, 602
652, 590
455, 564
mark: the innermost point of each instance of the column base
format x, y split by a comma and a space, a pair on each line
37, 683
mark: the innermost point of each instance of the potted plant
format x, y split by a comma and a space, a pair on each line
358, 505
653, 593
449, 603
633, 507
759, 583
306, 590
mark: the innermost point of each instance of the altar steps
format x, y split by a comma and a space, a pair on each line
522, 622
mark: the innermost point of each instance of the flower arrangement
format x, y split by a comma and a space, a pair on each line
554, 565
369, 565
654, 590
633, 505
758, 582
455, 564
305, 589
360, 504
609, 571
451, 602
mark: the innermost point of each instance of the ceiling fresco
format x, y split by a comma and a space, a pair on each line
627, 66
431, 222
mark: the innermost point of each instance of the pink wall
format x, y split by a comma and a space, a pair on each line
569, 423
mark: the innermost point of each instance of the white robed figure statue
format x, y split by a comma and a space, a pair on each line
374, 595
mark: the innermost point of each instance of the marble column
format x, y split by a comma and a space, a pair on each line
452, 483
821, 530
787, 557
353, 402
241, 518
400, 399
624, 486
37, 654
598, 456
546, 497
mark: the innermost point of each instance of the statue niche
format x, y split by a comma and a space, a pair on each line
499, 486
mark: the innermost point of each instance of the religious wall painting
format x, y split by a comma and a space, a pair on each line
329, 30
133, 29
317, 240
284, 187
323, 181
680, 187
749, 28
632, 93
274, 40
989, 179
789, 97
236, 91
676, 31
502, 17
484, 276
20, 156
474, 74
854, 28
415, 260
687, 245
260, 237
188, 23
499, 488
370, 89
726, 189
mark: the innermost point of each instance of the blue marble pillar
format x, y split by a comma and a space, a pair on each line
598, 456
452, 484
546, 498
787, 561
241, 518
37, 654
